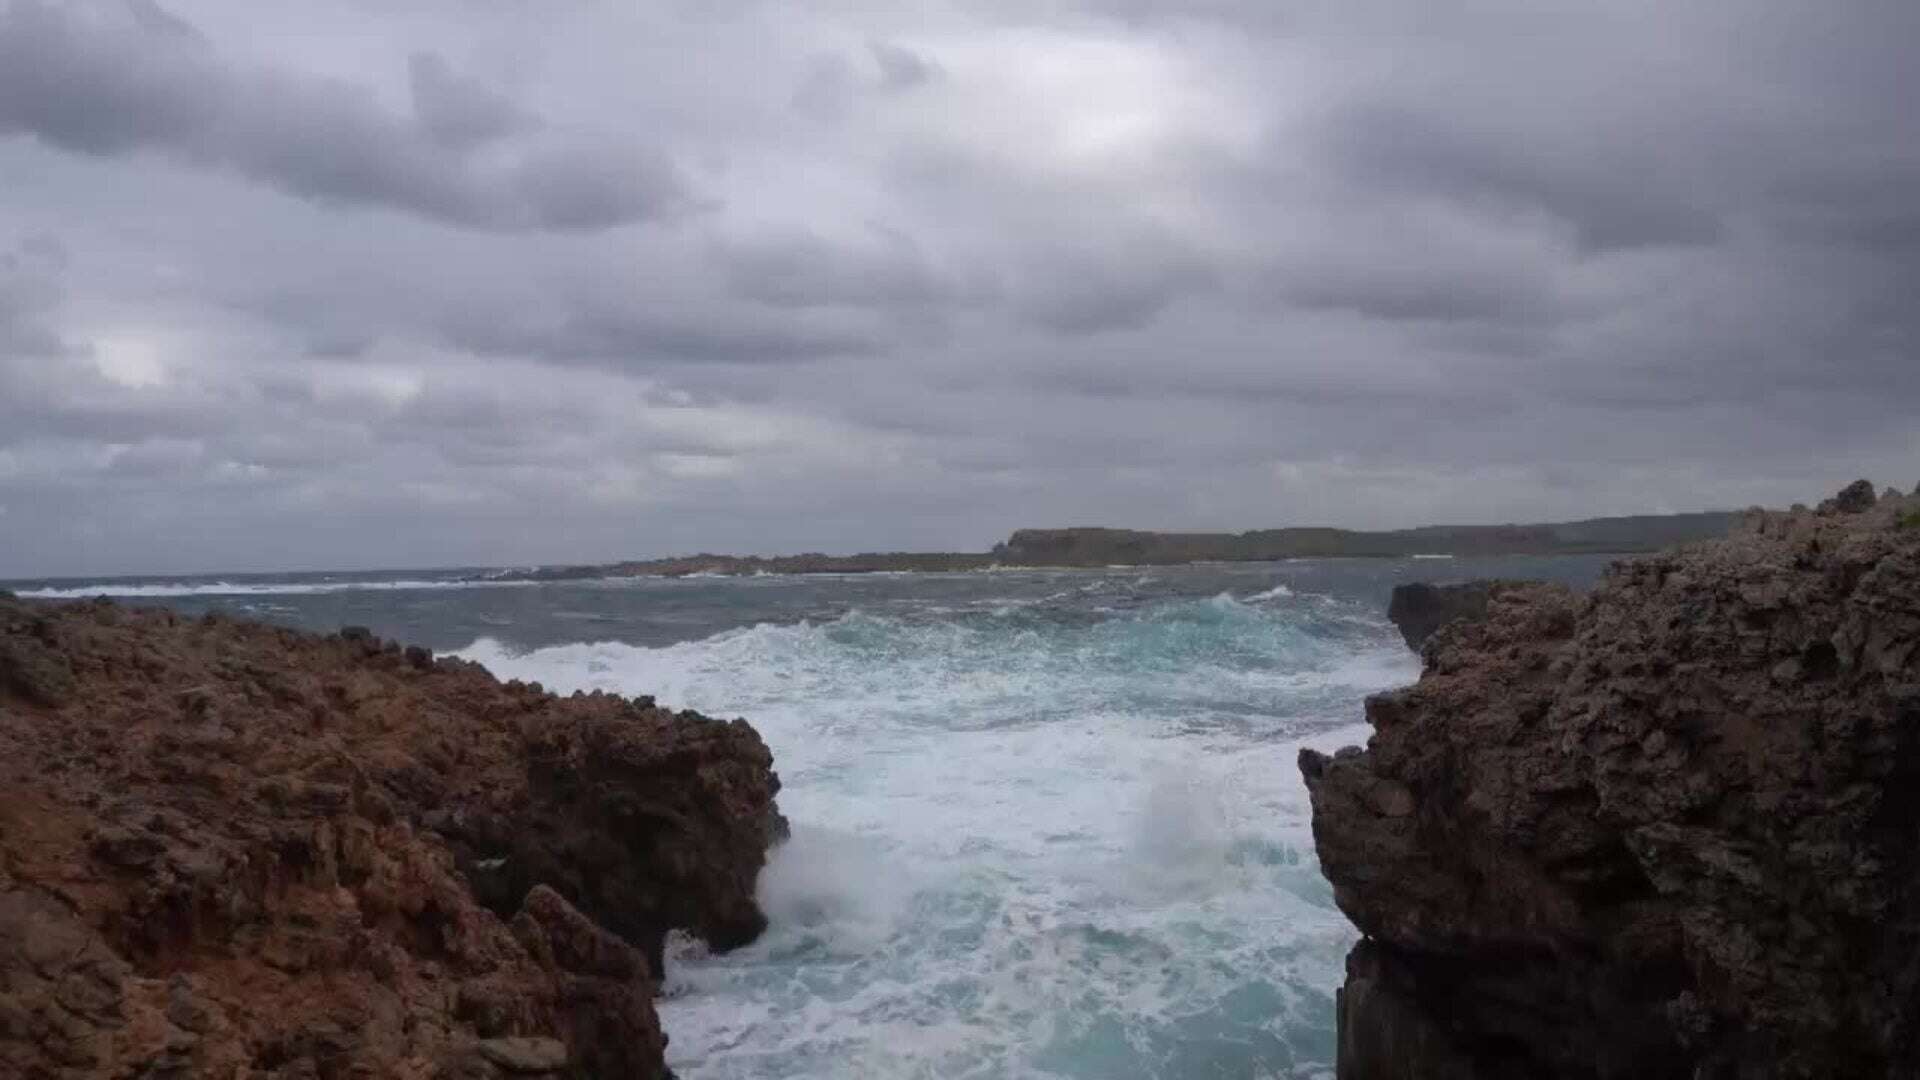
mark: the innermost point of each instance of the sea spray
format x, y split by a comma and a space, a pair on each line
1028, 841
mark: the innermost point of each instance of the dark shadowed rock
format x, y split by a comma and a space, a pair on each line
233, 850
31, 664
1855, 498
525, 1056
1384, 1029
1420, 609
1663, 830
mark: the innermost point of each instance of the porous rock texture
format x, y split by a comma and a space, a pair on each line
231, 850
1670, 828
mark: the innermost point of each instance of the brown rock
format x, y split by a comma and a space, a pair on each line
1665, 830
523, 1056
30, 663
234, 850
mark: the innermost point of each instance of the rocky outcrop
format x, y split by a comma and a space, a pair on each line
1667, 829
1855, 498
1418, 609
232, 850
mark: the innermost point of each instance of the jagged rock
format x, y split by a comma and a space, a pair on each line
1855, 498
1663, 830
234, 850
30, 661
1419, 609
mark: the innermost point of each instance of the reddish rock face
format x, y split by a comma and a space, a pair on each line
231, 850
1669, 829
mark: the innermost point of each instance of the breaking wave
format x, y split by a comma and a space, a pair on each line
1027, 842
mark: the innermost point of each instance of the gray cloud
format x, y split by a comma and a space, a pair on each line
83, 79
603, 332
901, 68
934, 271
1108, 287
802, 269
459, 111
29, 292
1623, 204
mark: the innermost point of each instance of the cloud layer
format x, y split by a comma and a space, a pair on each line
363, 284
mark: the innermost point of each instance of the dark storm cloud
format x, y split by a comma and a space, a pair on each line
1623, 204
931, 271
622, 336
90, 81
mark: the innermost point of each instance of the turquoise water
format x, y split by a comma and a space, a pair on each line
1046, 823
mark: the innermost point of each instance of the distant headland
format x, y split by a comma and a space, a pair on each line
1095, 547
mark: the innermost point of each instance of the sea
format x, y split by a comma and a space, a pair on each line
1046, 823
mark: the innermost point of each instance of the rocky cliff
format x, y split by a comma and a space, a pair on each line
1101, 546
1667, 829
231, 850
1095, 547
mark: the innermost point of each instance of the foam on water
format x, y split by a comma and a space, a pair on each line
1026, 843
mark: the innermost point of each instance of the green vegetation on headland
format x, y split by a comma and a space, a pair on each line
1094, 547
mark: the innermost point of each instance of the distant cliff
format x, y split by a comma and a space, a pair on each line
1092, 547
1668, 830
1098, 546
233, 850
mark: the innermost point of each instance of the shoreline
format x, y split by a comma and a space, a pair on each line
618, 571
1076, 548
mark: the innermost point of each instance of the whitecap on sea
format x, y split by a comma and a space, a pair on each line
1023, 846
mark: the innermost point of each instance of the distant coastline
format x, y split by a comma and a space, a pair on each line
1092, 548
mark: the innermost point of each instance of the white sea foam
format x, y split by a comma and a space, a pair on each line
1022, 848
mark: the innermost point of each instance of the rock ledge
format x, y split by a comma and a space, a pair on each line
231, 850
1667, 829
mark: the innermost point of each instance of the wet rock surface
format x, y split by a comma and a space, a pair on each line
1667, 829
232, 850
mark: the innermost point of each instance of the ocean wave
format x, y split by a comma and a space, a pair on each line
1023, 845
1173, 659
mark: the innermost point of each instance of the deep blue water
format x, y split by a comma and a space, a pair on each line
1046, 823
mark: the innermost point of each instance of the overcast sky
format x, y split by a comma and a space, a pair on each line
391, 283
